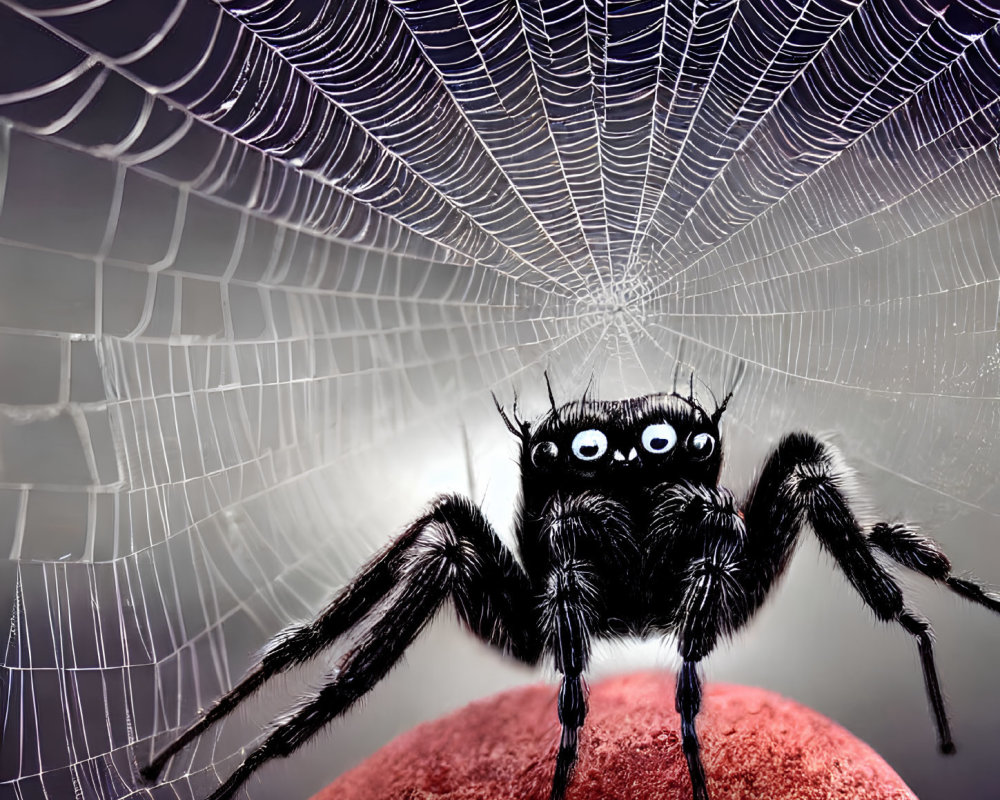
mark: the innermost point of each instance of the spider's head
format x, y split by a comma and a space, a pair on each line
629, 444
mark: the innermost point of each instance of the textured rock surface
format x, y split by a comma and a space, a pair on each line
755, 744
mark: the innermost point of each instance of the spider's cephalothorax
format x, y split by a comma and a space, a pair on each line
621, 447
623, 529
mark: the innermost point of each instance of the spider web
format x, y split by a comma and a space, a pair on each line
262, 262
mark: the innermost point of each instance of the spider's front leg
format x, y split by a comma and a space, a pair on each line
698, 545
451, 551
582, 532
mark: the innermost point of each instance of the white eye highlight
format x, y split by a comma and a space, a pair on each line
659, 438
702, 445
590, 445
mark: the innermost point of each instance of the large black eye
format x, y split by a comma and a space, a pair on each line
544, 453
659, 438
590, 445
702, 445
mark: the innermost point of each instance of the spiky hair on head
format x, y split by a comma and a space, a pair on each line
519, 427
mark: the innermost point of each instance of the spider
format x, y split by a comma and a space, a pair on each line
622, 530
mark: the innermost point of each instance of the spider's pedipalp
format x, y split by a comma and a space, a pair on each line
589, 520
732, 559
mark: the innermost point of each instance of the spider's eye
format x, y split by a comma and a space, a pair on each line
659, 438
544, 453
702, 445
590, 445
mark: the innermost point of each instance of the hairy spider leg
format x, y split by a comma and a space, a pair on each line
741, 556
700, 528
570, 612
581, 532
300, 642
361, 669
687, 701
804, 480
922, 554
452, 551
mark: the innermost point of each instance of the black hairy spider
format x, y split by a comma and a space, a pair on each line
623, 529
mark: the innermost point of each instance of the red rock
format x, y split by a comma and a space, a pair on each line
755, 744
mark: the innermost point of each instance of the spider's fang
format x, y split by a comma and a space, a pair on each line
632, 455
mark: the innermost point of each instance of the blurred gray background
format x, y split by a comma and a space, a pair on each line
262, 262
